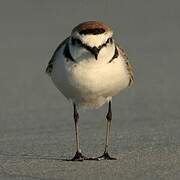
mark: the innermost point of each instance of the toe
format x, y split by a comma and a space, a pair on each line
105, 156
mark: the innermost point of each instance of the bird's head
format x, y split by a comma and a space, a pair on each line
92, 36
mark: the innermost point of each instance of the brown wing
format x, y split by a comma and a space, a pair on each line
129, 66
52, 60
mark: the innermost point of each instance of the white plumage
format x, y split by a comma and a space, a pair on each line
90, 82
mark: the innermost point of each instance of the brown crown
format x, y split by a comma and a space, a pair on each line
91, 27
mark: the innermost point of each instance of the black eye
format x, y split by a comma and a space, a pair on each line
76, 41
110, 40
73, 40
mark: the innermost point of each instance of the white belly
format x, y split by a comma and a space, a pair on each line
90, 83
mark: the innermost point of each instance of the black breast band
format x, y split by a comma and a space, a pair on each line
116, 54
67, 53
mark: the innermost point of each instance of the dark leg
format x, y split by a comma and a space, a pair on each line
109, 118
78, 156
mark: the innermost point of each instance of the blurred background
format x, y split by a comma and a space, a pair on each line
36, 120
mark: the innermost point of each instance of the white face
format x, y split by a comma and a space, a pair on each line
93, 40
89, 45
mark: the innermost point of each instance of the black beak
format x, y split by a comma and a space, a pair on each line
95, 51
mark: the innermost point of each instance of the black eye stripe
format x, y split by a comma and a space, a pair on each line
110, 40
79, 41
88, 48
74, 41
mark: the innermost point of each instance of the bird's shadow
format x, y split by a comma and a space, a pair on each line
37, 157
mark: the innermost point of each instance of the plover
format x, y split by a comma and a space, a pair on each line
89, 68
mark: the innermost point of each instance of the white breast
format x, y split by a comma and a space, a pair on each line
91, 82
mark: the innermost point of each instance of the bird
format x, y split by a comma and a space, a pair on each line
89, 68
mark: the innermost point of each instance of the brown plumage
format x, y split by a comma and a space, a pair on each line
129, 66
91, 25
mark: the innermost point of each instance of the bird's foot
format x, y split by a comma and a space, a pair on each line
79, 157
105, 156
